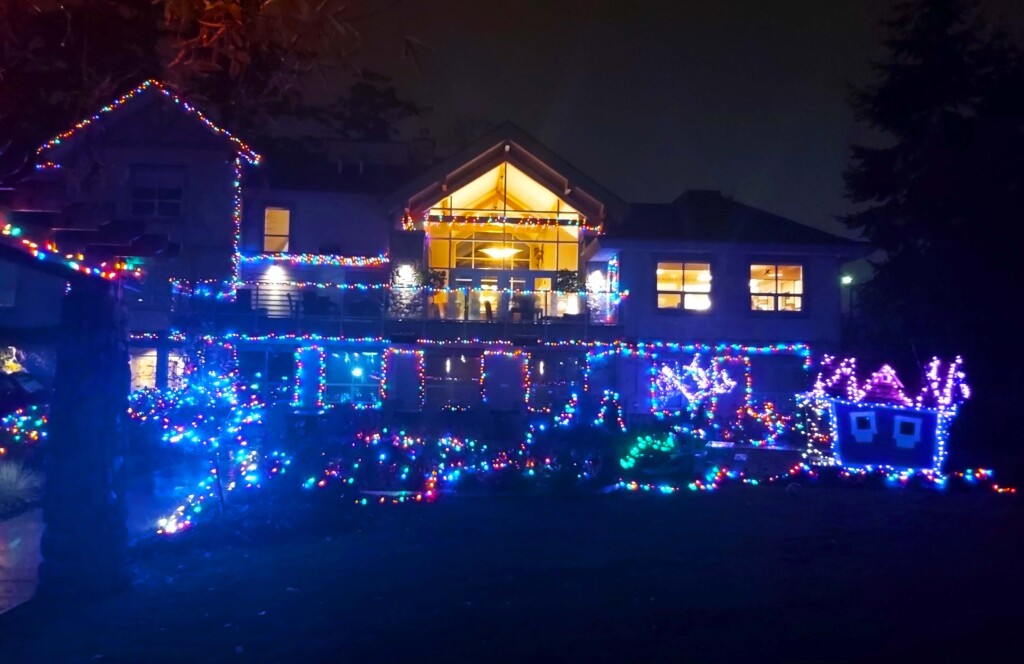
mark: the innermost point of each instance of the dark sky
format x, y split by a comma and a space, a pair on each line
653, 98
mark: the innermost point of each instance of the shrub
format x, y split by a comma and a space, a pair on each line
19, 487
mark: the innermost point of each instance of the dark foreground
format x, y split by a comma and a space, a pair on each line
743, 574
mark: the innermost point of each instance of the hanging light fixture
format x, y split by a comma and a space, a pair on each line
498, 251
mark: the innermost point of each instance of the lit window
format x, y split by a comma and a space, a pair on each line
776, 287
684, 286
276, 226
352, 378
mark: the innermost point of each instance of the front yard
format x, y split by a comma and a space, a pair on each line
767, 574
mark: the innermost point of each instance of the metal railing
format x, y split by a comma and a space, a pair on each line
458, 312
494, 306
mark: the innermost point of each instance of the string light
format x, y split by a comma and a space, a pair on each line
498, 220
24, 427
152, 84
301, 369
882, 401
420, 372
76, 262
319, 260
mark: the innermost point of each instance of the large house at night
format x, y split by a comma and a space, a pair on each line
501, 277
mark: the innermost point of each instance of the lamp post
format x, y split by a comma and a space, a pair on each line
846, 282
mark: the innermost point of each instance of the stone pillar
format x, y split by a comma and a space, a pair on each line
84, 543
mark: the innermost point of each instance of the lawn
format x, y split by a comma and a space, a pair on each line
744, 574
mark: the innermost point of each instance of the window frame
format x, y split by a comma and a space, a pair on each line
263, 227
333, 390
684, 260
776, 263
133, 187
512, 264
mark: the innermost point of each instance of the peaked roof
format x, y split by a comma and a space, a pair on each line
708, 216
146, 88
508, 142
45, 258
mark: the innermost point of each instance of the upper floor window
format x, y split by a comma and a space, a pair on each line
684, 286
503, 246
776, 287
157, 191
276, 229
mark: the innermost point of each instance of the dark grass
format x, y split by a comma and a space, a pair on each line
744, 574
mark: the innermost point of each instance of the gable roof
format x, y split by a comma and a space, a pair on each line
147, 89
508, 142
45, 258
708, 216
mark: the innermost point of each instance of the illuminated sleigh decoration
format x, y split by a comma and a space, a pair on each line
877, 425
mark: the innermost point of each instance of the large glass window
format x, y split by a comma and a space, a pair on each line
352, 377
452, 380
776, 287
276, 229
485, 246
684, 286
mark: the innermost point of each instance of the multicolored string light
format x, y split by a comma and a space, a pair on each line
152, 84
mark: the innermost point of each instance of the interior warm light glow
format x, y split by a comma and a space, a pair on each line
505, 191
500, 252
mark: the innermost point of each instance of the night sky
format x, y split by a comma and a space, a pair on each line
653, 98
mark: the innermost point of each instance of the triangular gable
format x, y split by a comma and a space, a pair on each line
46, 154
507, 191
508, 144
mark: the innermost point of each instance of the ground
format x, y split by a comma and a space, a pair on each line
745, 574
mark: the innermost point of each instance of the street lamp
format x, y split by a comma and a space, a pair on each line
846, 281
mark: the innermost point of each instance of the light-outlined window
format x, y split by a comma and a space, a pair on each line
277, 222
775, 287
157, 192
684, 285
352, 377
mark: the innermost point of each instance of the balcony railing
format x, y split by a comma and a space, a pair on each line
383, 311
495, 306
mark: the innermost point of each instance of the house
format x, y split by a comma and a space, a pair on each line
500, 278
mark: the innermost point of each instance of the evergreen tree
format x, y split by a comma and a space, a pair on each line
939, 192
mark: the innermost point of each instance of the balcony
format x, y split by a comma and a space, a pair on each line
480, 313
379, 311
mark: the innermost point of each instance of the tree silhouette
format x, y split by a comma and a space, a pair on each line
936, 192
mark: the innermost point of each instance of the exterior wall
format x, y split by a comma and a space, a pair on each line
321, 222
93, 185
730, 318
